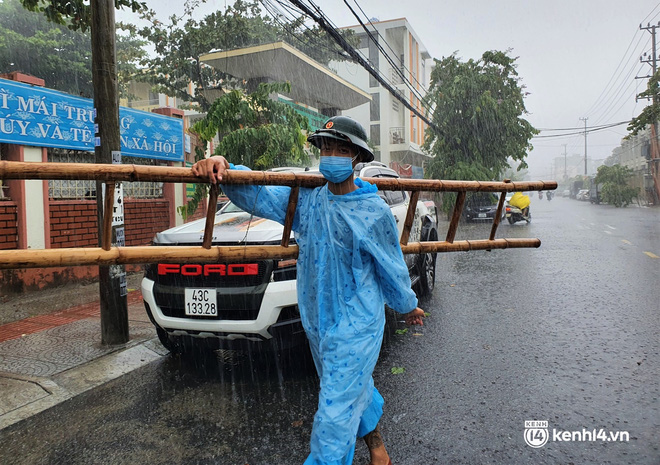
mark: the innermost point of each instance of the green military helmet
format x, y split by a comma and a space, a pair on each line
345, 129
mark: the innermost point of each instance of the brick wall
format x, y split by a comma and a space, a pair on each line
8, 227
199, 213
73, 223
144, 218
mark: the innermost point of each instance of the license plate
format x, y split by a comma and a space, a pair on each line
482, 215
201, 302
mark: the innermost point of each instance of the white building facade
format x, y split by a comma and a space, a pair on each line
394, 131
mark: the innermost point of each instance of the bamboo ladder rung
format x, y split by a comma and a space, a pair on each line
112, 174
456, 216
210, 216
290, 214
410, 216
136, 255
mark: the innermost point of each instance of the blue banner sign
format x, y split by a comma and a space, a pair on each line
47, 118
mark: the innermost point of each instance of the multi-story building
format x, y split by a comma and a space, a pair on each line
636, 153
633, 153
395, 132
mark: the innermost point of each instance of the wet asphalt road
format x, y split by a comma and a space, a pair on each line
568, 334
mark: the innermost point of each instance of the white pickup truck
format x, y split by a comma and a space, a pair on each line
253, 306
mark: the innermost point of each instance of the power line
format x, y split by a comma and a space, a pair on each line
376, 42
344, 54
613, 111
380, 48
623, 79
324, 24
656, 7
580, 128
588, 130
606, 90
286, 23
620, 94
380, 36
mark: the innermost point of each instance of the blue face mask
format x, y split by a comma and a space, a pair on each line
336, 169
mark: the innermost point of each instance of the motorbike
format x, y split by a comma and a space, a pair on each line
515, 214
548, 195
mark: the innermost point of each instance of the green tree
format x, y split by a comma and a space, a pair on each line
179, 43
254, 130
31, 44
478, 107
651, 113
74, 14
615, 190
62, 57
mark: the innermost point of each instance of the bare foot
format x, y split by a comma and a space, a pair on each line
374, 442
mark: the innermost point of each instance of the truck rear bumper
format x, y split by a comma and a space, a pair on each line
278, 296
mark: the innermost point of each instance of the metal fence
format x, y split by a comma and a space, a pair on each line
69, 189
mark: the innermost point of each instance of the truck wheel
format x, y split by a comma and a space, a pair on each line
426, 269
172, 345
427, 275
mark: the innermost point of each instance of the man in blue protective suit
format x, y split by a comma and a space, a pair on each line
350, 265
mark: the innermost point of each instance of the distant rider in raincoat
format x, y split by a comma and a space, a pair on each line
350, 265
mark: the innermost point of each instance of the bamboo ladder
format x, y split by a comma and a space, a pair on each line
111, 174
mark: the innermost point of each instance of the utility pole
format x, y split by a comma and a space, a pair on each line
655, 156
585, 144
653, 59
565, 168
112, 279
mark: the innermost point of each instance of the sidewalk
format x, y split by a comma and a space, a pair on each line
52, 357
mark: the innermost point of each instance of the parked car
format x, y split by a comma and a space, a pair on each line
253, 305
583, 194
481, 206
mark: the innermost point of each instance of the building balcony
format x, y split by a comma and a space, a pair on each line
397, 135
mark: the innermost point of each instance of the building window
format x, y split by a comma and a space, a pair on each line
373, 60
423, 73
375, 134
374, 107
364, 41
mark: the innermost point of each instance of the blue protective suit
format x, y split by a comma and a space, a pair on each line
350, 265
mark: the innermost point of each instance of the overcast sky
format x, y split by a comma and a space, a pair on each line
577, 58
